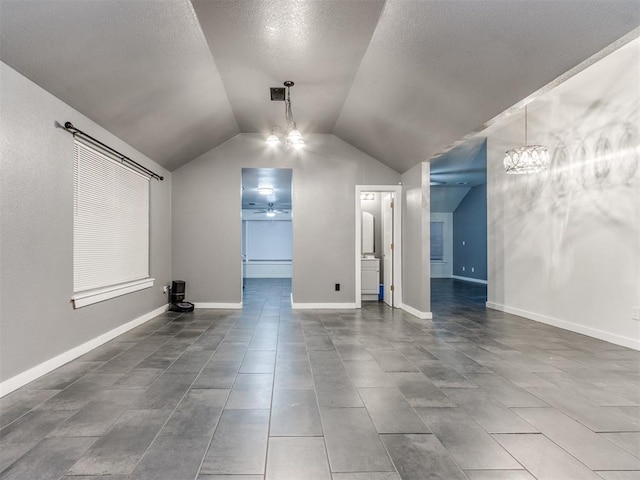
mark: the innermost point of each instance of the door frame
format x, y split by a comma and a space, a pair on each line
397, 240
244, 225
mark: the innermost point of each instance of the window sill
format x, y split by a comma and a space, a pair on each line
90, 297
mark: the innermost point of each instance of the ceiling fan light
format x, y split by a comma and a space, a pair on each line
273, 140
271, 213
265, 190
528, 159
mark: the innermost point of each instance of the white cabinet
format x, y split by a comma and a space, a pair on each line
370, 278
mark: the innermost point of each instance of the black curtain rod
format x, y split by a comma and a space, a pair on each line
68, 126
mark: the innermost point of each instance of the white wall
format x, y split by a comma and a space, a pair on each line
268, 247
37, 320
207, 240
444, 269
268, 240
564, 246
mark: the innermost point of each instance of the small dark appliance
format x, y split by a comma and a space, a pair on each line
177, 293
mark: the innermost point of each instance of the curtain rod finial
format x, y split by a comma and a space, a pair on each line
68, 125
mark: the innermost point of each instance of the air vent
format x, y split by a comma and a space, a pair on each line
277, 94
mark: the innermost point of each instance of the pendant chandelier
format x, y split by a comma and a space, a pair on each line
292, 136
527, 159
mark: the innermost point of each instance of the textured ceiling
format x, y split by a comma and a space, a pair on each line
260, 44
399, 79
437, 70
463, 165
455, 172
140, 69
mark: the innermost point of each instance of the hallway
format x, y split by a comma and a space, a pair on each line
267, 393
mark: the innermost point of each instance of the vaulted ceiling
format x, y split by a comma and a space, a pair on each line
399, 79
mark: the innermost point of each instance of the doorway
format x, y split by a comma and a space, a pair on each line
458, 215
378, 244
267, 224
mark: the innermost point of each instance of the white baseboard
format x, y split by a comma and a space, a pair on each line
572, 327
323, 306
32, 374
223, 306
369, 298
469, 279
416, 313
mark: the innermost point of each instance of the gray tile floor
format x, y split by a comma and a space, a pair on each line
267, 393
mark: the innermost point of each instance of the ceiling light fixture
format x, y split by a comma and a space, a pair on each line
273, 140
527, 159
293, 136
265, 190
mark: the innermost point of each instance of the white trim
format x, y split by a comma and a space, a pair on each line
268, 275
415, 312
36, 372
82, 299
267, 269
323, 306
223, 306
397, 239
370, 297
572, 327
469, 279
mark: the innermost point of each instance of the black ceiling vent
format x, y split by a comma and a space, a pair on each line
277, 94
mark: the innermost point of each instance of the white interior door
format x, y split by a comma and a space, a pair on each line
387, 250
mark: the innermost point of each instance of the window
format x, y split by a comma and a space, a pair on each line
110, 228
437, 241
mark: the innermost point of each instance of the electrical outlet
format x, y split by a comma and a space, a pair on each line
635, 313
337, 287
473, 269
463, 243
463, 269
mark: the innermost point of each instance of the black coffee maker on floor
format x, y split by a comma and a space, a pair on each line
177, 294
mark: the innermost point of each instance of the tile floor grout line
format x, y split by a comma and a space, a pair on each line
206, 450
273, 386
179, 401
510, 349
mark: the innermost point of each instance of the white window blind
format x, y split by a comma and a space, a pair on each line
110, 222
437, 241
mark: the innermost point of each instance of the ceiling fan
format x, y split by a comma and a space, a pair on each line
270, 211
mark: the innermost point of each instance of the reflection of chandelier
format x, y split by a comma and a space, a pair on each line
293, 135
527, 159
